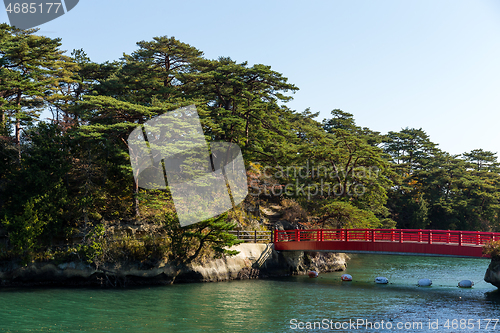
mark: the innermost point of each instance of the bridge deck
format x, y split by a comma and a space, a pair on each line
386, 241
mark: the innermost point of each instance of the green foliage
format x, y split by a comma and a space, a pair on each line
31, 67
24, 230
59, 177
340, 214
492, 249
94, 246
440, 191
39, 178
188, 243
147, 249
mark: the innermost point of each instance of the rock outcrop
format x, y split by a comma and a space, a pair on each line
492, 274
253, 261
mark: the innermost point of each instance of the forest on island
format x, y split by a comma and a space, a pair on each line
70, 176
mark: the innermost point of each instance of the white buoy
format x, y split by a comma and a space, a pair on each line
381, 280
465, 284
346, 277
424, 282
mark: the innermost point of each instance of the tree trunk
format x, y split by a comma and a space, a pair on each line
247, 126
18, 127
136, 199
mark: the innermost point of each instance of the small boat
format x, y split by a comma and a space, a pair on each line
424, 282
313, 274
381, 280
346, 277
465, 284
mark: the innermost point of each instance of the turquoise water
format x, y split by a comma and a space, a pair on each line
280, 305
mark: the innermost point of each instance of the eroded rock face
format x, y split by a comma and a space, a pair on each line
45, 273
253, 261
300, 262
492, 274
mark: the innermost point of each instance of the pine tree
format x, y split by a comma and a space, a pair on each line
31, 67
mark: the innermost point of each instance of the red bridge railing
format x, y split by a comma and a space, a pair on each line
451, 237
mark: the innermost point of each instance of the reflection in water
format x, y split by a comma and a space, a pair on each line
267, 305
493, 297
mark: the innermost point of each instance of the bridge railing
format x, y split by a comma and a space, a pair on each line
253, 236
388, 235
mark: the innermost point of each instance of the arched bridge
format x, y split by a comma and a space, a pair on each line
422, 242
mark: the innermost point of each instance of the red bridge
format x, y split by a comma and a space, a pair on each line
422, 242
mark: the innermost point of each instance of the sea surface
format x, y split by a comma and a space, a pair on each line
289, 304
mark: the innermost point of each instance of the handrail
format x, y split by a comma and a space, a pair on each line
253, 236
452, 237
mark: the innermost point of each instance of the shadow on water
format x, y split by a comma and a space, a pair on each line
493, 297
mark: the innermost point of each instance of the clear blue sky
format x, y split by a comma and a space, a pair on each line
433, 64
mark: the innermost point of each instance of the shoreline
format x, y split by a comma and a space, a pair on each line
255, 261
